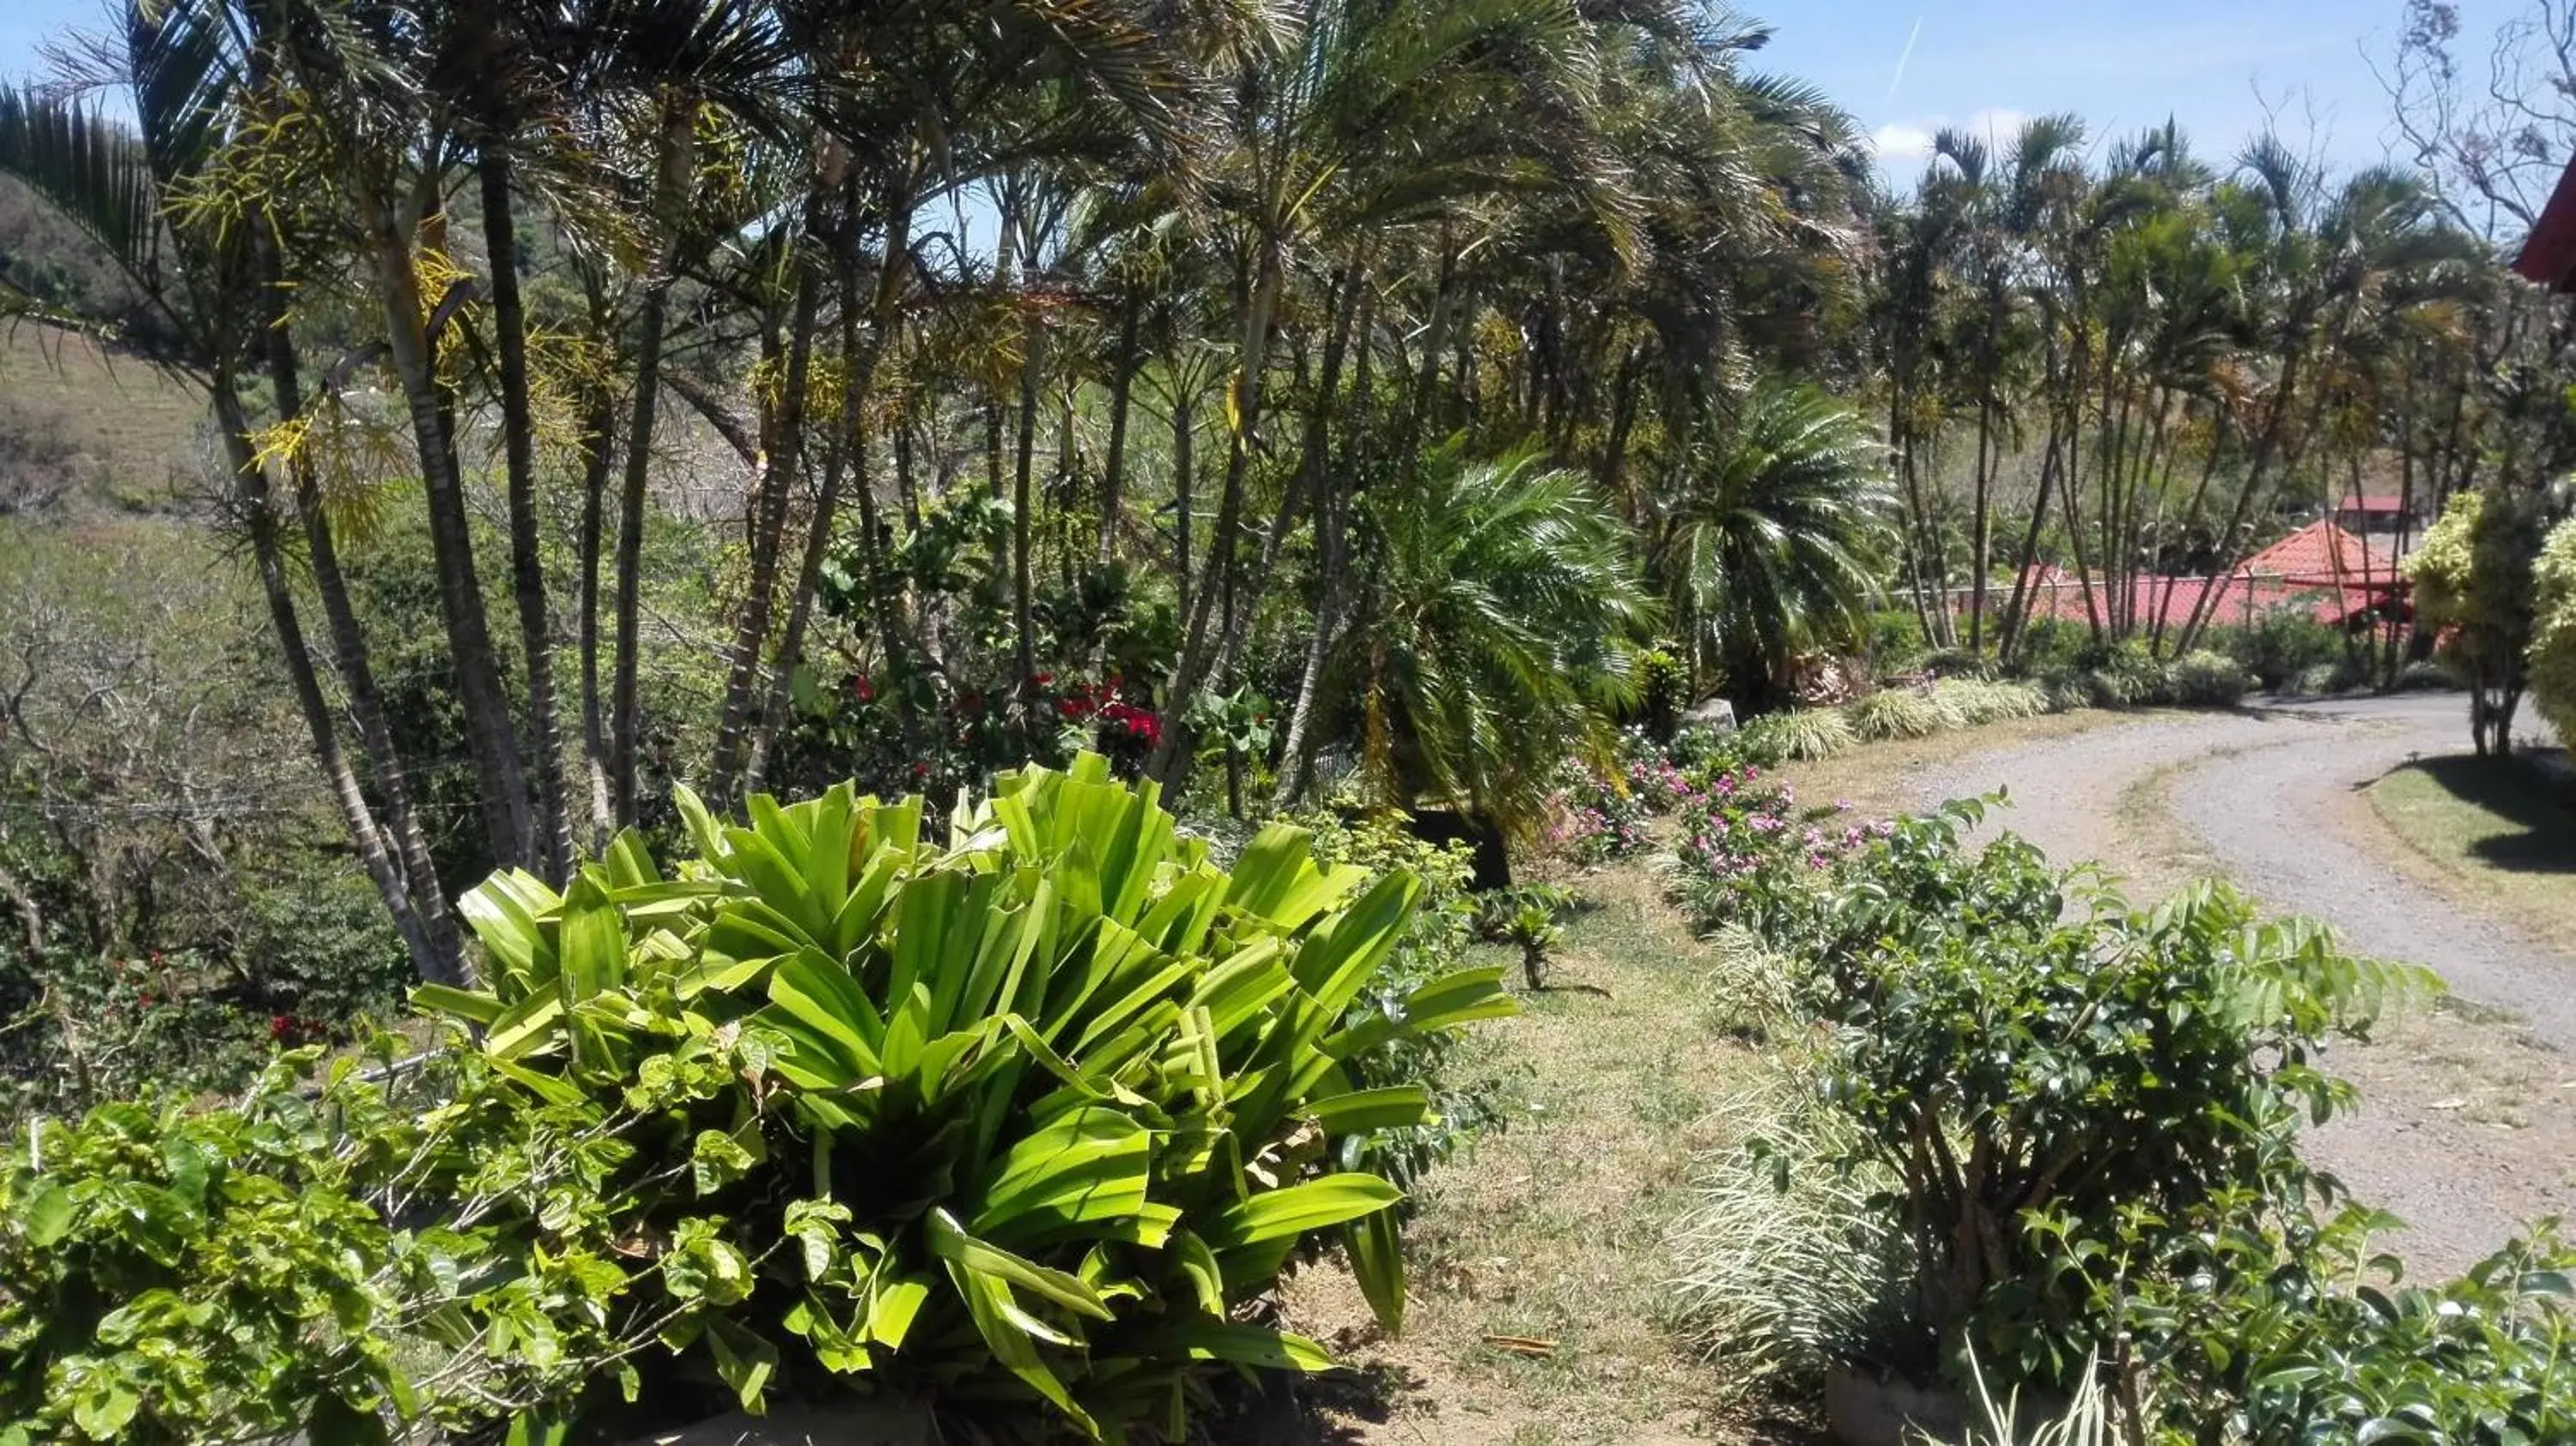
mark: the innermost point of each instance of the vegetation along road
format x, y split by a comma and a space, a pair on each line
2464, 1129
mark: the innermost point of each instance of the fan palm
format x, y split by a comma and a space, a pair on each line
1773, 542
1491, 634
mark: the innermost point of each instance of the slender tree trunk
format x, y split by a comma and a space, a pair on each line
625, 709
744, 690
598, 456
1296, 762
1184, 433
1113, 470
1978, 542
1023, 510
1192, 669
489, 733
259, 517
400, 830
553, 822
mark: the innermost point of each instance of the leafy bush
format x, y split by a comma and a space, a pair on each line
2207, 679
2082, 1064
1432, 946
2474, 584
1028, 1115
2124, 675
2284, 1334
1748, 857
1975, 702
2424, 677
1800, 735
1893, 713
1593, 819
176, 1276
2553, 634
2281, 645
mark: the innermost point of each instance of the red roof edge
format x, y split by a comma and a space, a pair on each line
2548, 254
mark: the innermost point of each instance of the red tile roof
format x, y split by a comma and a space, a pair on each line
2376, 503
2323, 555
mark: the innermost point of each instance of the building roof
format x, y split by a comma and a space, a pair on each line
2388, 503
2548, 254
2323, 555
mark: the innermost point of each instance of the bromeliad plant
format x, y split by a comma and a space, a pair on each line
1032, 1113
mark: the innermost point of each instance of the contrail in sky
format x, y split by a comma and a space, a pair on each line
1911, 36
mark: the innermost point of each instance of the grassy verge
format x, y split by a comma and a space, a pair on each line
2496, 830
1541, 1306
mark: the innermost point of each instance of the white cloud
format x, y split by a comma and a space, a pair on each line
1901, 142
1904, 146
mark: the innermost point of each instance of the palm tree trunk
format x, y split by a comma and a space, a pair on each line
1113, 470
1296, 764
598, 457
1192, 669
625, 712
1023, 508
400, 830
553, 824
489, 733
744, 690
251, 487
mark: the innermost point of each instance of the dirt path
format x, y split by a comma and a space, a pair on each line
2469, 1120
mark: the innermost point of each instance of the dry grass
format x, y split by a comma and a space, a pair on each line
1559, 1227
2495, 830
113, 427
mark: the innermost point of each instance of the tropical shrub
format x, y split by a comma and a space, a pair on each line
1493, 637
1790, 1263
2296, 1333
2207, 679
1894, 713
1025, 1115
1776, 533
2281, 645
1594, 819
2083, 1064
2126, 675
1748, 857
1432, 946
2552, 659
1975, 701
1800, 735
317, 1263
2474, 586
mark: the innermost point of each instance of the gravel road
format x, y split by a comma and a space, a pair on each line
2469, 1121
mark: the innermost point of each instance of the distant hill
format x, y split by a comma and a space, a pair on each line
84, 428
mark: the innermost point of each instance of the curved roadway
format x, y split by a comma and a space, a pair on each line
2274, 799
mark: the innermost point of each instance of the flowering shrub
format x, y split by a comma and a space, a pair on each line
1656, 782
1748, 856
1593, 819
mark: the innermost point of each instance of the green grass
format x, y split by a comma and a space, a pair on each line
2497, 830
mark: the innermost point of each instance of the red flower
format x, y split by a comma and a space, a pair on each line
921, 770
1040, 680
280, 1026
862, 689
143, 997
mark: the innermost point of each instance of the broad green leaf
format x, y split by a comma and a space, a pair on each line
949, 1241
1392, 1107
1242, 1345
1295, 1210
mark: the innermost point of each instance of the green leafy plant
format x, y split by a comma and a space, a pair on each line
324, 1258
1801, 735
1030, 1113
2207, 679
2017, 1044
1977, 701
1526, 917
1893, 713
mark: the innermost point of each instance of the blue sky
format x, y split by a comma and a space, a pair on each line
2213, 64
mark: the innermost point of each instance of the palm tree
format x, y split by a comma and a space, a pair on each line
1775, 540
1491, 636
